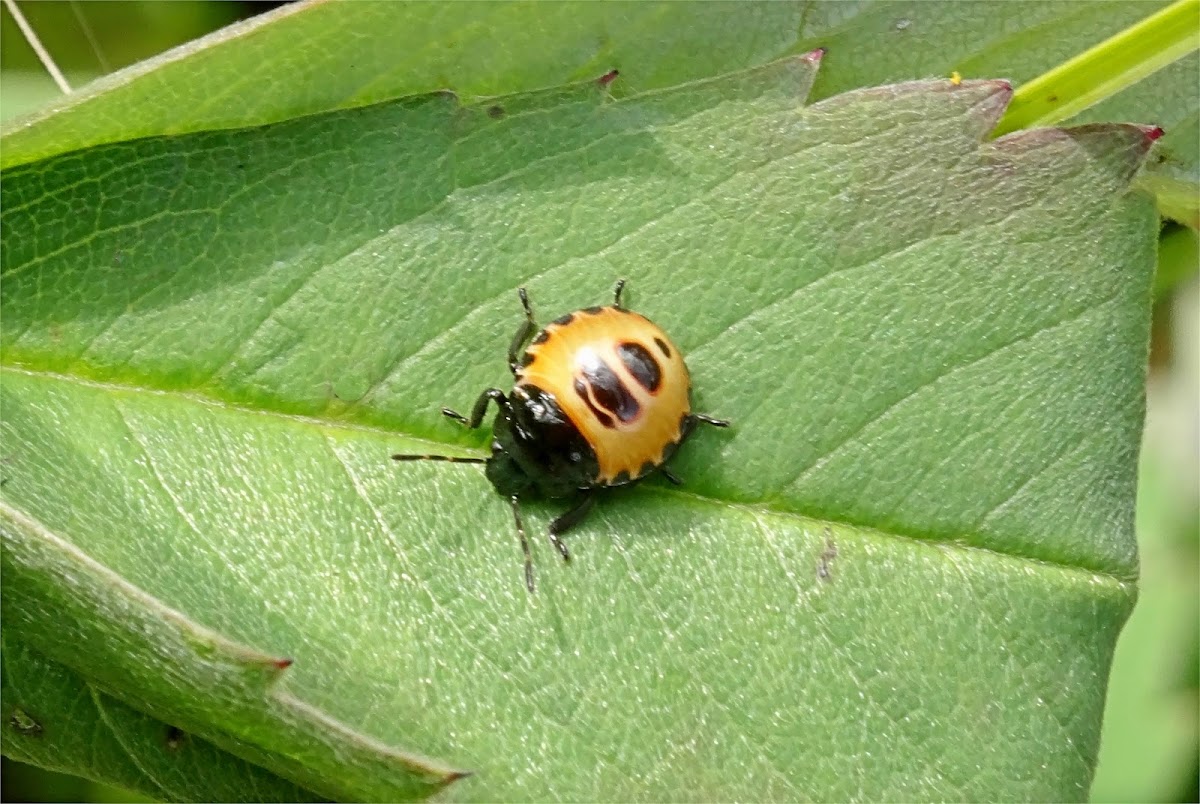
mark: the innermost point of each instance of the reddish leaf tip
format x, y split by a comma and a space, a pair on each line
282, 664
608, 78
1153, 132
816, 55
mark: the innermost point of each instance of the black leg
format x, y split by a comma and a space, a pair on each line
480, 408
617, 293
669, 475
569, 520
527, 328
689, 425
516, 509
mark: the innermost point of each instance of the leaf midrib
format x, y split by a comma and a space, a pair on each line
752, 511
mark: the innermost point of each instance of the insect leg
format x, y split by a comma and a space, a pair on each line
690, 422
689, 427
477, 413
516, 509
527, 328
617, 293
569, 520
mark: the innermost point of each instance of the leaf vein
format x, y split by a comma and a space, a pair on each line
637, 230
941, 376
386, 531
167, 793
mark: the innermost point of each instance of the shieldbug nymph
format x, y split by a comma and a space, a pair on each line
601, 398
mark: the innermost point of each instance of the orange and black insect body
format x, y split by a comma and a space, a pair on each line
602, 398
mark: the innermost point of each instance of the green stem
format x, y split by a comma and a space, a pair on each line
1106, 69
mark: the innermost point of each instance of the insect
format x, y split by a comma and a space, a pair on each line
601, 398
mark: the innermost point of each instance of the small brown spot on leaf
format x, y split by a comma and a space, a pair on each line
23, 723
825, 562
175, 737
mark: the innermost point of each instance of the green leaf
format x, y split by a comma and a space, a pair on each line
900, 575
312, 57
1151, 741
1106, 69
1146, 72
54, 718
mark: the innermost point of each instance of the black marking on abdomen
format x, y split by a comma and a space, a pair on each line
641, 364
662, 345
581, 389
563, 320
610, 393
602, 390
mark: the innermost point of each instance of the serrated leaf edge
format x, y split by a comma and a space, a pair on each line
194, 633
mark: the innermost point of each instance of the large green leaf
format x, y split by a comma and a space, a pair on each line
901, 574
317, 56
58, 720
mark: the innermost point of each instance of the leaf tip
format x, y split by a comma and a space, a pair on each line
994, 95
454, 775
1133, 139
271, 666
1123, 147
605, 80
815, 56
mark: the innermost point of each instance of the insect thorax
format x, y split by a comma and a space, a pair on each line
539, 447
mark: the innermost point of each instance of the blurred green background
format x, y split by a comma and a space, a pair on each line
1150, 739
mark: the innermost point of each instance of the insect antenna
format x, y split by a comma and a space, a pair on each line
443, 458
